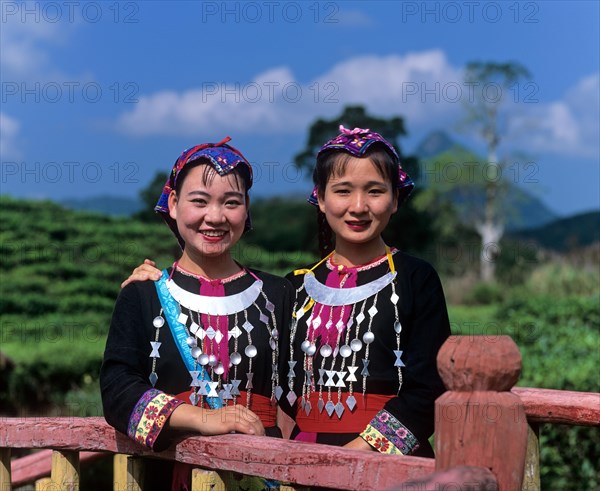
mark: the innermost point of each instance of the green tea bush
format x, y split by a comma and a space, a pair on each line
559, 340
486, 293
559, 279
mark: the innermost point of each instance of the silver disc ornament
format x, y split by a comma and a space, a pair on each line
368, 337
345, 351
325, 351
355, 345
251, 351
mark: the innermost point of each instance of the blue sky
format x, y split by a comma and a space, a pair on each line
99, 96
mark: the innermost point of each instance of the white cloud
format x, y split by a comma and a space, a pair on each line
419, 86
423, 87
25, 40
9, 132
570, 126
346, 17
274, 102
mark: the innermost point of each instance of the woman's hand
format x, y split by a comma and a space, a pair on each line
230, 419
144, 272
359, 444
227, 419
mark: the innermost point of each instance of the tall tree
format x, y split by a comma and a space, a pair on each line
149, 196
490, 83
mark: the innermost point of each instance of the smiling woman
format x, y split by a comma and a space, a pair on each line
211, 211
368, 319
198, 349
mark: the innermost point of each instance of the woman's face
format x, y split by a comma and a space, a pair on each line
358, 203
210, 215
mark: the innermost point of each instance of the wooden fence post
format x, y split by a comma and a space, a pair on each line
478, 421
65, 470
44, 484
531, 479
5, 474
206, 480
128, 473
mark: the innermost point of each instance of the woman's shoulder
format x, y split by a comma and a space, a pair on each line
412, 264
269, 278
296, 276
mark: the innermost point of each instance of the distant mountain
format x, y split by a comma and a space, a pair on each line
435, 143
107, 204
527, 211
566, 233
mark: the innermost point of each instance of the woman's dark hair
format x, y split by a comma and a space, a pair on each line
333, 163
241, 174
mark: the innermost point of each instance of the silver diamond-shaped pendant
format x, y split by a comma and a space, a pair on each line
351, 403
153, 378
194, 398
235, 332
218, 337
291, 397
372, 311
394, 298
270, 307
328, 325
211, 333
330, 407
321, 405
307, 407
182, 318
278, 392
247, 326
360, 317
194, 328
339, 409
263, 318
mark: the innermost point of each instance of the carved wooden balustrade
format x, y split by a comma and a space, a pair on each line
485, 439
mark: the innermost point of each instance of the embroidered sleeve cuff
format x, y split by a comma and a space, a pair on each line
149, 416
387, 435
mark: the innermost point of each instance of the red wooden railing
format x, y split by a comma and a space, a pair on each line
483, 439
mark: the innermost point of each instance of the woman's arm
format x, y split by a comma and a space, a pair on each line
407, 421
132, 405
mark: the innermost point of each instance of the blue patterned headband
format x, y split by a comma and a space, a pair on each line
224, 158
356, 142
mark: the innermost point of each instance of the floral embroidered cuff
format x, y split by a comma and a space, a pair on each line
387, 435
149, 416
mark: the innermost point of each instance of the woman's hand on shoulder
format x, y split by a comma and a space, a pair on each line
144, 272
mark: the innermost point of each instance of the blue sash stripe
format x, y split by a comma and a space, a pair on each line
179, 332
